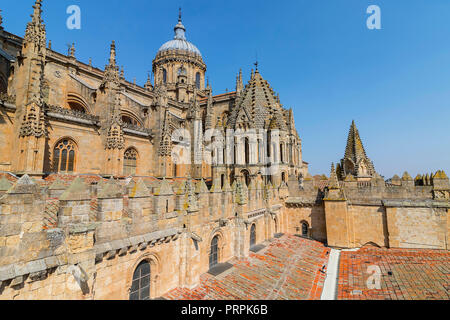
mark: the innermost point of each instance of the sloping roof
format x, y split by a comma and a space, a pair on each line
259, 102
6, 55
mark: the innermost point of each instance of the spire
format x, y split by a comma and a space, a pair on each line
209, 111
72, 50
111, 75
239, 83
112, 54
355, 161
122, 73
333, 182
35, 32
148, 84
180, 29
354, 144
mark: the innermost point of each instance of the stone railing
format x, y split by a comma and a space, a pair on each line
133, 129
70, 115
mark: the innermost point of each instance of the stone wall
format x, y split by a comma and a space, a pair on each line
83, 238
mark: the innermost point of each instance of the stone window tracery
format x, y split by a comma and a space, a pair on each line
140, 287
130, 162
64, 156
214, 253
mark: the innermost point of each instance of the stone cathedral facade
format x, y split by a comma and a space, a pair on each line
103, 180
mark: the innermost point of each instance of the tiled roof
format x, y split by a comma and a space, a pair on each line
288, 269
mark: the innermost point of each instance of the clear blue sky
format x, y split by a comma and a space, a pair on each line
318, 54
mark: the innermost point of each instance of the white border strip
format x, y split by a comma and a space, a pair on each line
330, 286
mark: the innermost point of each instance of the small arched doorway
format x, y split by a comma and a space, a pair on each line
305, 229
214, 253
253, 236
140, 287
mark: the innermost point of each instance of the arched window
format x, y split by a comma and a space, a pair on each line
246, 175
281, 153
283, 176
130, 120
64, 156
253, 236
222, 181
247, 151
130, 162
164, 76
214, 253
305, 229
140, 287
76, 103
197, 80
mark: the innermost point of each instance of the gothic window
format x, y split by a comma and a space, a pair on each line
140, 288
130, 162
214, 253
164, 76
283, 176
222, 181
130, 120
76, 103
64, 156
253, 236
197, 80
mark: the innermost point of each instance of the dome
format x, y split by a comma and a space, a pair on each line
179, 42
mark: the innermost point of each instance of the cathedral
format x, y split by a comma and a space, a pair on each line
73, 118
111, 190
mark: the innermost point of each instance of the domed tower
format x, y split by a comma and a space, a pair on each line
179, 65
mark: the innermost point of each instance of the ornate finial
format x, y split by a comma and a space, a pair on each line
122, 73
112, 54
111, 77
148, 84
180, 29
35, 32
207, 83
72, 50
90, 62
333, 182
50, 44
